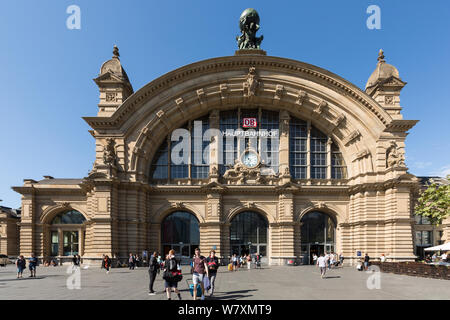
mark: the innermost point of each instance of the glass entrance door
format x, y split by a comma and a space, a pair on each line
70, 241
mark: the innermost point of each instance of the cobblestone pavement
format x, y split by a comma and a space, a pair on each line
284, 282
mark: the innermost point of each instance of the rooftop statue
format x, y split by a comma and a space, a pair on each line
249, 25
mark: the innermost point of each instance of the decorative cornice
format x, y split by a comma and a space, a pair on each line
222, 64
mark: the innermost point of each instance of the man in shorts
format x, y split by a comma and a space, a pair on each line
32, 265
322, 264
200, 268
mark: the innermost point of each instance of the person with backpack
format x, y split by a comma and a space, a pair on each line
153, 267
213, 264
21, 265
170, 280
32, 264
200, 269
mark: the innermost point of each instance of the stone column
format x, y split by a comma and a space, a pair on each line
329, 143
308, 150
284, 144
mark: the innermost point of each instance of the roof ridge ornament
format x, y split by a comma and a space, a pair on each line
381, 56
116, 53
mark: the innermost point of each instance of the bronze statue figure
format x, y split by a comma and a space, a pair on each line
249, 25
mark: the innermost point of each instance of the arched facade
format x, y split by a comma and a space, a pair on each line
339, 151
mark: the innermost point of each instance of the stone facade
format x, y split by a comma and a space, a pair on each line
371, 206
9, 231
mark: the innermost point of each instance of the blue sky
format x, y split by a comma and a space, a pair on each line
47, 70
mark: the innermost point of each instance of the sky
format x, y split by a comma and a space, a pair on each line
47, 69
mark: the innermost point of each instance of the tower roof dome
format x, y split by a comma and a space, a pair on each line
382, 72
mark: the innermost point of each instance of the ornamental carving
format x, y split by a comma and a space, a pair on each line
111, 97
389, 100
109, 152
251, 83
394, 157
241, 174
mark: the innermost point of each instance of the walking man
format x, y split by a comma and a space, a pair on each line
153, 267
32, 265
199, 270
366, 262
322, 264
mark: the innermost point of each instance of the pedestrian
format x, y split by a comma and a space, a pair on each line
332, 261
249, 261
366, 261
131, 262
200, 269
383, 258
444, 257
213, 265
341, 259
75, 261
21, 265
32, 264
137, 260
314, 259
106, 263
322, 264
153, 267
234, 260
171, 266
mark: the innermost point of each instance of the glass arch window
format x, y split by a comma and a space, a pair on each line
312, 154
162, 167
318, 228
180, 227
69, 217
248, 233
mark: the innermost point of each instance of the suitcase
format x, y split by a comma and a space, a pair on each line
191, 289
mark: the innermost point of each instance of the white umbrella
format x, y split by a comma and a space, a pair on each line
442, 247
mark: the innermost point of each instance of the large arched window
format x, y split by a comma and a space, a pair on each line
69, 217
163, 167
248, 233
312, 154
180, 231
317, 234
67, 233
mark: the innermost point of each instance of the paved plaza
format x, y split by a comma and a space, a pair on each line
277, 282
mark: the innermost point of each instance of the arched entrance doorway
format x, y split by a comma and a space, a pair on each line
317, 235
67, 234
248, 234
180, 231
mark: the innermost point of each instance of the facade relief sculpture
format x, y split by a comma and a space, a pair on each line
394, 157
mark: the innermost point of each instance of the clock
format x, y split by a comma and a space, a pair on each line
250, 159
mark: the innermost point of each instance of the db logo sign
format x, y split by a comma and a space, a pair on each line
249, 123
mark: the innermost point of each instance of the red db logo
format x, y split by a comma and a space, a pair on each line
249, 123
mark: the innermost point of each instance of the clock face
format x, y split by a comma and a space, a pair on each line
250, 159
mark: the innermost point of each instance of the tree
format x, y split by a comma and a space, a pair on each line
434, 202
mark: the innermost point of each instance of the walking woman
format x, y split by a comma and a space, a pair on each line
170, 267
213, 265
106, 263
21, 265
